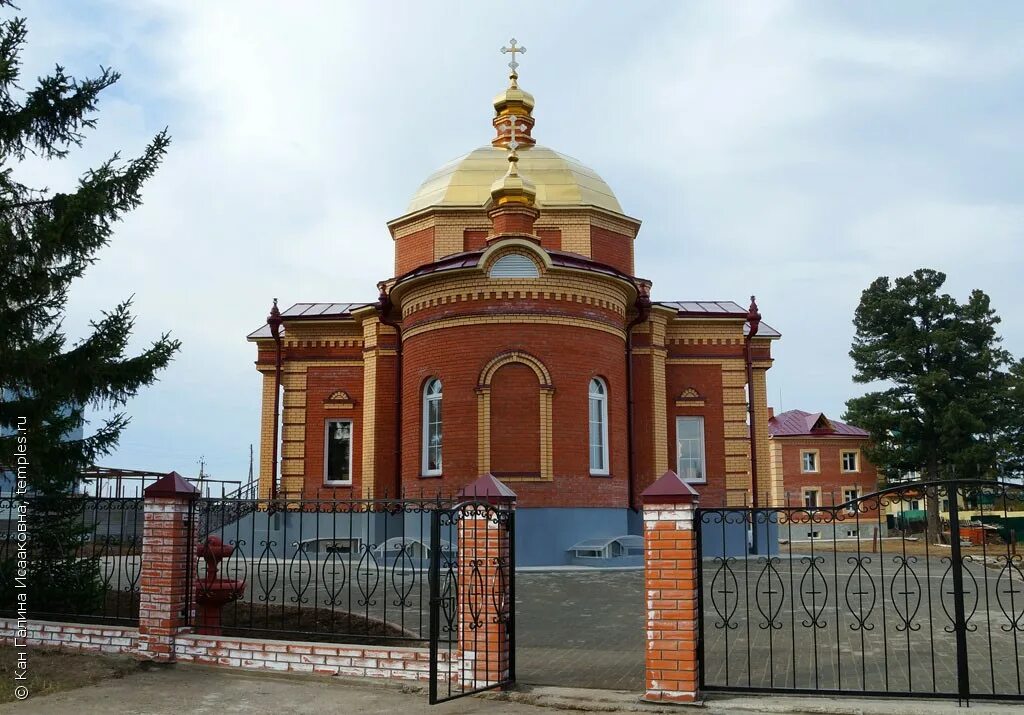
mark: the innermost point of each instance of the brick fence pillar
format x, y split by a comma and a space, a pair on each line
670, 587
484, 584
164, 599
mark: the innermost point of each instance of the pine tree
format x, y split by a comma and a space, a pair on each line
47, 240
944, 377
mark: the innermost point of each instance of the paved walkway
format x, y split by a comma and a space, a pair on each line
184, 690
582, 629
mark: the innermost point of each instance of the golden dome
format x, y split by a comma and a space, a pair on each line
560, 180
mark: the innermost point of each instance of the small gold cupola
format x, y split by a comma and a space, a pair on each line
515, 103
513, 209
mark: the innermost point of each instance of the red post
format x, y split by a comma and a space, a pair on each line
164, 603
670, 586
484, 594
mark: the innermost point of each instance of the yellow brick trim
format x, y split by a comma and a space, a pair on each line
514, 319
267, 434
483, 411
515, 356
371, 328
551, 286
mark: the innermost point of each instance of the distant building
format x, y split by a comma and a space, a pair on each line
821, 461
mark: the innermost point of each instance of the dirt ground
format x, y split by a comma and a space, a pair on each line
895, 546
51, 671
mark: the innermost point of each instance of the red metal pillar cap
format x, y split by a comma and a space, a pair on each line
670, 489
487, 488
171, 485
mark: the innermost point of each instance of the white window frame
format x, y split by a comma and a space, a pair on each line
855, 491
603, 470
817, 498
817, 461
328, 423
703, 450
856, 461
425, 429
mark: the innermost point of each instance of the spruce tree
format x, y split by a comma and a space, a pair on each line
48, 239
943, 378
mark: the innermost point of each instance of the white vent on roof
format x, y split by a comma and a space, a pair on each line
514, 265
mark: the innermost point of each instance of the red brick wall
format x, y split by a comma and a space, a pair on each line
515, 421
320, 383
613, 249
573, 355
414, 250
831, 478
473, 239
550, 238
707, 380
643, 427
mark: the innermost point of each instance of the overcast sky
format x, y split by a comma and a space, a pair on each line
792, 150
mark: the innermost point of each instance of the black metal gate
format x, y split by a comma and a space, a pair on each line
854, 597
472, 599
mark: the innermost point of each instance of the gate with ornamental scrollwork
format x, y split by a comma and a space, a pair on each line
472, 599
857, 598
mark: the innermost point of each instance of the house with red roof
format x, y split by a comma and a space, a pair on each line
820, 461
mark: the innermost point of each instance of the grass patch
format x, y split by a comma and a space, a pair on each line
53, 671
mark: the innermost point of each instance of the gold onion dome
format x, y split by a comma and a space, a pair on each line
513, 100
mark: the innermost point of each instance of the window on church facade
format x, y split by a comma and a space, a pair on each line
514, 265
598, 427
690, 449
338, 452
432, 428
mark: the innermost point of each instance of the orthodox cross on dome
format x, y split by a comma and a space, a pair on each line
513, 125
512, 49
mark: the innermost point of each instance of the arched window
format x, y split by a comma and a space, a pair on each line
514, 265
598, 427
431, 462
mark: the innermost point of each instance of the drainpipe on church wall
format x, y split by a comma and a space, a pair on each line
753, 323
643, 308
384, 306
274, 320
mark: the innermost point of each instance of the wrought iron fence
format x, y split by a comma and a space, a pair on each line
472, 638
352, 571
75, 558
857, 597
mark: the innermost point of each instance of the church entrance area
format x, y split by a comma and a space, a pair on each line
580, 628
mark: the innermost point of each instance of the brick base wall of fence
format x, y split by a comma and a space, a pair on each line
71, 636
247, 653
304, 657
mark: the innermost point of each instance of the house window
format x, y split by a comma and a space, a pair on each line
432, 428
690, 448
850, 461
850, 495
811, 500
809, 460
915, 505
338, 452
598, 427
851, 533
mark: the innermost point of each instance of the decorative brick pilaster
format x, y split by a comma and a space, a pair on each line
670, 586
166, 537
484, 573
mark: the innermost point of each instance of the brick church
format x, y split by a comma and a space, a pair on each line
516, 338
